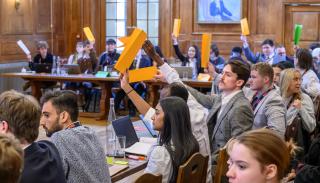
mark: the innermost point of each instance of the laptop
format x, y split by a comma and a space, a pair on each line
42, 67
132, 131
72, 68
183, 69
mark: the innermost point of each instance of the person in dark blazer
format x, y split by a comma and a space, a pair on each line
20, 116
42, 57
110, 56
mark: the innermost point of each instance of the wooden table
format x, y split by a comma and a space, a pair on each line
134, 167
105, 84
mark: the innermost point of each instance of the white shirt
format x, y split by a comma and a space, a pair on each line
193, 63
310, 82
225, 100
270, 58
160, 163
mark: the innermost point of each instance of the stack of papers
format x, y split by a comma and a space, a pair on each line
143, 147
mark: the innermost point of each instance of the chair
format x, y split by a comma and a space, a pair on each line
194, 170
148, 177
222, 166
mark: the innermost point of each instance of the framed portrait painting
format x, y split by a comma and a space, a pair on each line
219, 11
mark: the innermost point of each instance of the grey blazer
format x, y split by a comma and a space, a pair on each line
236, 117
270, 112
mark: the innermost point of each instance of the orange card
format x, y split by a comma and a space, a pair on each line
132, 44
143, 74
176, 27
244, 27
89, 34
205, 50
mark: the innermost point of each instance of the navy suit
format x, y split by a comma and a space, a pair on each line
42, 164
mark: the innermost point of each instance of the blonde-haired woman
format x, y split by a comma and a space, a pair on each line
258, 156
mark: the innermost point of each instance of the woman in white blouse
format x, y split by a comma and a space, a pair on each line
177, 144
298, 103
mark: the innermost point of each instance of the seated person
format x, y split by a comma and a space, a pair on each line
277, 68
236, 53
110, 56
309, 79
11, 162
215, 58
74, 58
89, 62
198, 114
258, 156
266, 102
192, 59
20, 116
82, 155
140, 61
316, 61
268, 52
282, 55
43, 56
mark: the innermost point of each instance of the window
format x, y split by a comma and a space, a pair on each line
148, 18
116, 18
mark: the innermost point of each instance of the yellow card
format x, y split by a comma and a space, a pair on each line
203, 77
143, 74
244, 27
176, 27
205, 50
132, 45
88, 33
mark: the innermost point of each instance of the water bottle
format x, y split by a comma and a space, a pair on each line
111, 137
58, 66
54, 65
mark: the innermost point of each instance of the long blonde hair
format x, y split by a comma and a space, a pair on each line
286, 78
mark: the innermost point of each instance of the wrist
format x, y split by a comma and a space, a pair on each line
127, 88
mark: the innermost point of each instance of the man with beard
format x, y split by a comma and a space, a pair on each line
19, 117
82, 155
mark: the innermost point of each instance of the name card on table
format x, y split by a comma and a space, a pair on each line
176, 27
244, 27
203, 77
297, 33
23, 47
143, 74
132, 45
88, 34
205, 49
102, 74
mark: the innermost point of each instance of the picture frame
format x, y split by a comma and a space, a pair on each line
219, 11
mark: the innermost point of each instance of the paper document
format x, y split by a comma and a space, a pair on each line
139, 148
23, 47
114, 169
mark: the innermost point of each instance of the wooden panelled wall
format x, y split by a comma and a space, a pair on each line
267, 19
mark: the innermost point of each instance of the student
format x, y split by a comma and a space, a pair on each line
259, 156
177, 144
230, 113
277, 68
110, 56
236, 54
198, 114
11, 161
82, 155
267, 104
192, 59
310, 82
74, 58
89, 62
20, 116
42, 57
299, 105
215, 58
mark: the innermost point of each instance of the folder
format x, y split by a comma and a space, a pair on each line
297, 33
205, 50
89, 34
143, 74
176, 27
23, 47
132, 44
244, 27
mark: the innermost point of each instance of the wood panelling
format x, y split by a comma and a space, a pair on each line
267, 19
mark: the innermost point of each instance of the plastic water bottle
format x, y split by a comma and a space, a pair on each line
111, 137
54, 65
58, 66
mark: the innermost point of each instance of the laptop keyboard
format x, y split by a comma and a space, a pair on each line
141, 129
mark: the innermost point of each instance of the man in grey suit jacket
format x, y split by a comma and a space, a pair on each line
230, 113
267, 104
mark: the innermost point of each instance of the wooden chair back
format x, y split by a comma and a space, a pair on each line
194, 170
222, 166
148, 177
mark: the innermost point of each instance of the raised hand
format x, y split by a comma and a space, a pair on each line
151, 52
